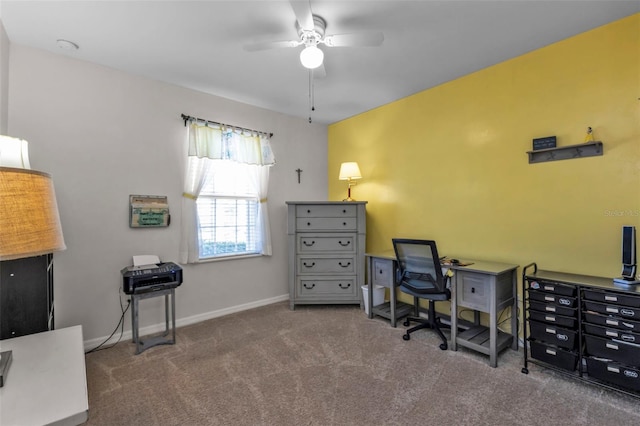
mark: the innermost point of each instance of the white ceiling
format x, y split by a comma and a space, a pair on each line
199, 45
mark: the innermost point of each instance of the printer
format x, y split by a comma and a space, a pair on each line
149, 277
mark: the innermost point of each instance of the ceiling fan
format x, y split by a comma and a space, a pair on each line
311, 31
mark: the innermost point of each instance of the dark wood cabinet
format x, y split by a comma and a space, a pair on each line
26, 296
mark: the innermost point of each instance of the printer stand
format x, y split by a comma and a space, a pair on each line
162, 339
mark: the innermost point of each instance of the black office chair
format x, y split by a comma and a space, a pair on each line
420, 275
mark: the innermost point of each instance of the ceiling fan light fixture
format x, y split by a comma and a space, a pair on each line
311, 57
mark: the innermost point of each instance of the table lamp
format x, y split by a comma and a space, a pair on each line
349, 171
29, 219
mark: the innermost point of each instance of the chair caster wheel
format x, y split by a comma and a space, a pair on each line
406, 337
525, 370
443, 346
406, 323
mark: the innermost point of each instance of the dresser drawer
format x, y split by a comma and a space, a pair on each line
326, 211
473, 291
382, 272
324, 287
326, 224
326, 265
326, 243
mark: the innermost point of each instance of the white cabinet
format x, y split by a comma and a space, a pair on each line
326, 251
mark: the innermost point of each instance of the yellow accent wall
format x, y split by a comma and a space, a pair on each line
450, 163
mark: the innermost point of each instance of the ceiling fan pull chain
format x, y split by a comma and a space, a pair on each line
311, 107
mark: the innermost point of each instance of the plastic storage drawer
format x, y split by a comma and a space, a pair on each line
613, 372
611, 321
612, 333
552, 308
553, 287
558, 336
556, 299
554, 355
550, 318
609, 309
611, 297
626, 353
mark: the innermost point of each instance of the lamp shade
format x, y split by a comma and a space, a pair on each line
349, 170
311, 57
29, 219
14, 152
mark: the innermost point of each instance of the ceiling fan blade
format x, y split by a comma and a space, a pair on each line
264, 45
319, 72
302, 10
354, 40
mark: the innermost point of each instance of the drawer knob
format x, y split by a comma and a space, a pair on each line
308, 223
344, 211
344, 287
473, 289
344, 266
344, 223
308, 244
309, 287
309, 265
344, 244
308, 211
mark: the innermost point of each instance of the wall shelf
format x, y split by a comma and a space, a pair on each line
588, 149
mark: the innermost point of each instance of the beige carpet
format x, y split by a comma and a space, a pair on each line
331, 365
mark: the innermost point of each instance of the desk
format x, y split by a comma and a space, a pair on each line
381, 270
47, 382
485, 287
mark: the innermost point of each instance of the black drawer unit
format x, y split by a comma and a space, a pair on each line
583, 326
551, 309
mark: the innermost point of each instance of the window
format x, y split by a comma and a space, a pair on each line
224, 203
228, 209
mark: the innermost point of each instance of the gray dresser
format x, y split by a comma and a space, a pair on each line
326, 251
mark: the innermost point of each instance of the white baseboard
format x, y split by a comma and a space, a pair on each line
181, 322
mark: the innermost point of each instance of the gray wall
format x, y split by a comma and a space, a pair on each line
102, 135
4, 79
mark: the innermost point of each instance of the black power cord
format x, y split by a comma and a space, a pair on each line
120, 324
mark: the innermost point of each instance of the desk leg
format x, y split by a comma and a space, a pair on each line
514, 313
493, 336
370, 286
454, 315
392, 301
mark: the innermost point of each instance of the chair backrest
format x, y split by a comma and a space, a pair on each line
418, 260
